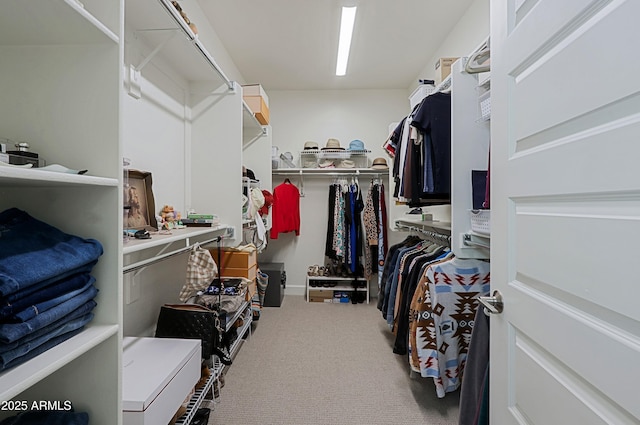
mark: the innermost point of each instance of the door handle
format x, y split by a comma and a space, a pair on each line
492, 304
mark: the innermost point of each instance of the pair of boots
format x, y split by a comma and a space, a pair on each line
223, 355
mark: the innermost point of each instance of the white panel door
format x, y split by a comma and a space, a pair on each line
565, 120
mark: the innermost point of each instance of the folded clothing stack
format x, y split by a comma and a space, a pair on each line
56, 417
46, 289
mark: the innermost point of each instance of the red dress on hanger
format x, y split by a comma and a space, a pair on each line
285, 209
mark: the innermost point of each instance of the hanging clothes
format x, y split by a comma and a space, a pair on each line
370, 219
357, 205
375, 224
433, 119
285, 209
388, 269
382, 233
475, 381
443, 311
344, 241
422, 162
415, 271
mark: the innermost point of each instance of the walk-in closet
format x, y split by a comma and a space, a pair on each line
336, 212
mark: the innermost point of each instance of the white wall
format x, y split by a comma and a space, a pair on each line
472, 29
299, 116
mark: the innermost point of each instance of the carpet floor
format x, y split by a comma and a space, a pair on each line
316, 363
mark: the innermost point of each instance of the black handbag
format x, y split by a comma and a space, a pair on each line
190, 321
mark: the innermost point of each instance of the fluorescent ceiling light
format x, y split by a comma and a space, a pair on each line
344, 45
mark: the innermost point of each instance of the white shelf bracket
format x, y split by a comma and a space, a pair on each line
301, 184
468, 241
158, 48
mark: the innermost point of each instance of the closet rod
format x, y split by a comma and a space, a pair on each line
144, 263
436, 237
321, 172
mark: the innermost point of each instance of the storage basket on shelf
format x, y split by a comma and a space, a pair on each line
480, 221
485, 106
484, 100
334, 158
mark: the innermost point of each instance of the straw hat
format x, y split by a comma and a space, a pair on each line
327, 163
333, 144
310, 145
379, 164
347, 163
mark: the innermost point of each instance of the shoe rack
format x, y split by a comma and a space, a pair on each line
337, 283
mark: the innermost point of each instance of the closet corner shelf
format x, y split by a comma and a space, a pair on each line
186, 238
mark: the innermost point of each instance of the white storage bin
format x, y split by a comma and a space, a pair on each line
157, 375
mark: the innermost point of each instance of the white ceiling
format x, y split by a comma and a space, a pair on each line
291, 44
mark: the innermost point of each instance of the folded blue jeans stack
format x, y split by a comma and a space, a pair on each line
48, 418
46, 289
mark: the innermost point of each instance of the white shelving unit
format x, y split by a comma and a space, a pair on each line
470, 137
61, 85
219, 130
340, 284
219, 124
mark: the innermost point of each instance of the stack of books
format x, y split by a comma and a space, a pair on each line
201, 220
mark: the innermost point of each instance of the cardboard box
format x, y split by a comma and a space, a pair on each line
248, 273
320, 295
259, 108
443, 69
234, 259
255, 90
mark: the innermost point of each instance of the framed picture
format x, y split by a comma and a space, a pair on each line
139, 204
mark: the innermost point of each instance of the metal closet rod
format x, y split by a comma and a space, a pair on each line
321, 173
149, 261
436, 235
